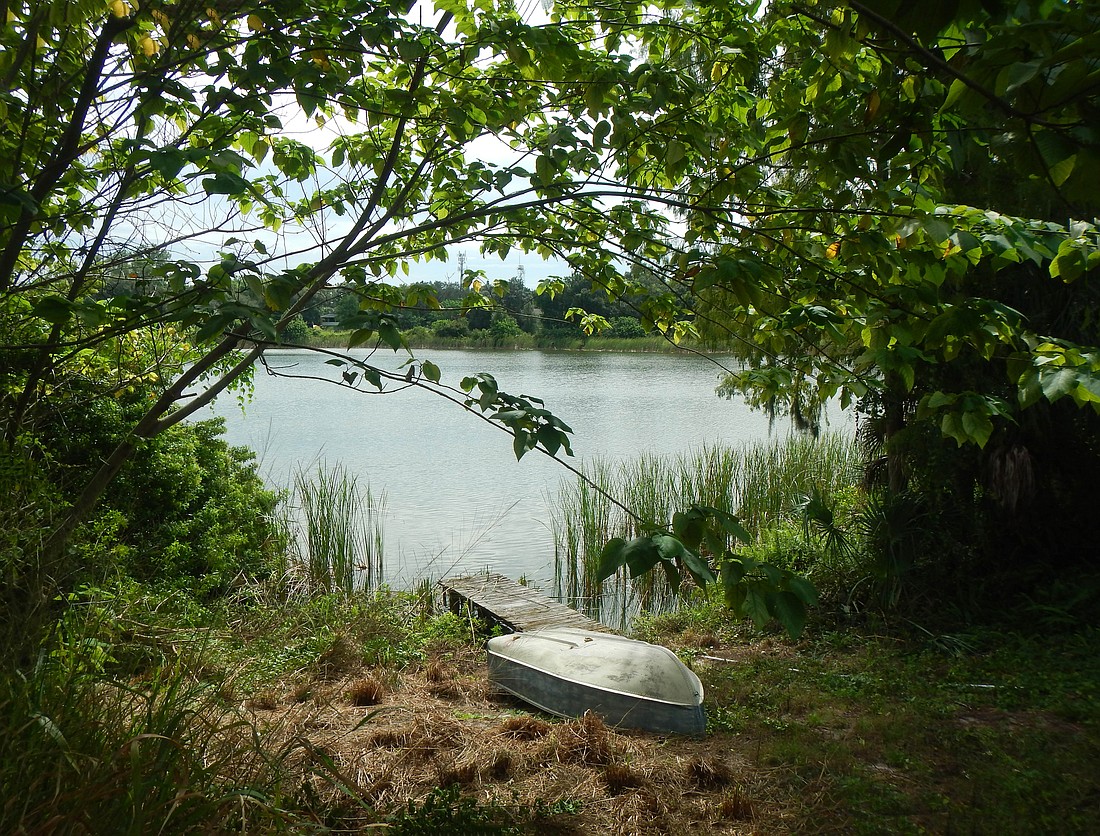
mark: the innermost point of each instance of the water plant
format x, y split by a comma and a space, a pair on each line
341, 542
764, 484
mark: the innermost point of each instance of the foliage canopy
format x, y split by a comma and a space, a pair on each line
865, 200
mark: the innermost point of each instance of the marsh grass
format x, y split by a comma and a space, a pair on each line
342, 534
87, 751
763, 483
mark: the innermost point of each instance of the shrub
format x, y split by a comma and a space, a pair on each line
626, 327
296, 332
504, 328
451, 327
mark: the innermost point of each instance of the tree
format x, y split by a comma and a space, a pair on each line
167, 131
849, 233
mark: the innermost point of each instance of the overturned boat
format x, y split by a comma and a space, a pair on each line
568, 671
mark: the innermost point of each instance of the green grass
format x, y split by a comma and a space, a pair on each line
899, 734
129, 719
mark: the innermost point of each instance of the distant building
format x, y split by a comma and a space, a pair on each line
329, 320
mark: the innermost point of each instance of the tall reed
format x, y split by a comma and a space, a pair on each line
341, 540
761, 482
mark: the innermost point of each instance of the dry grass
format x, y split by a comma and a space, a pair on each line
707, 773
585, 741
366, 691
619, 777
522, 727
266, 700
421, 737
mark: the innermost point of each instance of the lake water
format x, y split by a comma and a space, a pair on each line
457, 499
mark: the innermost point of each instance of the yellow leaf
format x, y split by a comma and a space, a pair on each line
873, 103
717, 71
833, 250
119, 8
255, 23
213, 15
148, 46
193, 41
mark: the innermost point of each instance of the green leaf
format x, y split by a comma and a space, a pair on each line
611, 559
801, 588
227, 183
214, 326
669, 547
978, 427
790, 612
755, 605
732, 571
689, 527
430, 371
640, 555
699, 568
54, 309
1057, 384
391, 335
360, 336
1029, 391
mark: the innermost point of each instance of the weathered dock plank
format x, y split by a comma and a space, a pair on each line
516, 607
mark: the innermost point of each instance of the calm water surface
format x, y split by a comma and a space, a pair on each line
457, 499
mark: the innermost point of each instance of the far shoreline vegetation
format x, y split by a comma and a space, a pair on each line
420, 337
515, 317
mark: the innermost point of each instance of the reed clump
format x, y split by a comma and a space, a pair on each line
341, 542
762, 483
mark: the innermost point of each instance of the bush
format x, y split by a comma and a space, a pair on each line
296, 332
187, 508
626, 327
504, 328
197, 512
451, 327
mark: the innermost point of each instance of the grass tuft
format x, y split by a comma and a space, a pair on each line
586, 741
501, 765
523, 727
619, 778
265, 700
342, 541
463, 774
365, 691
736, 806
709, 772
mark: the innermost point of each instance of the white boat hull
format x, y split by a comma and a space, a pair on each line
568, 671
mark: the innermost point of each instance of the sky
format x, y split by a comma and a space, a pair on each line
530, 268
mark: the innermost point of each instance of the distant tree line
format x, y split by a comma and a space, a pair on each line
501, 308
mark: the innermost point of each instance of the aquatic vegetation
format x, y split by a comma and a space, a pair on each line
763, 483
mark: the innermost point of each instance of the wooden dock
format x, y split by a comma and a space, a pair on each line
517, 607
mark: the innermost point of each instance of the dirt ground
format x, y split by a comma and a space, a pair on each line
394, 737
